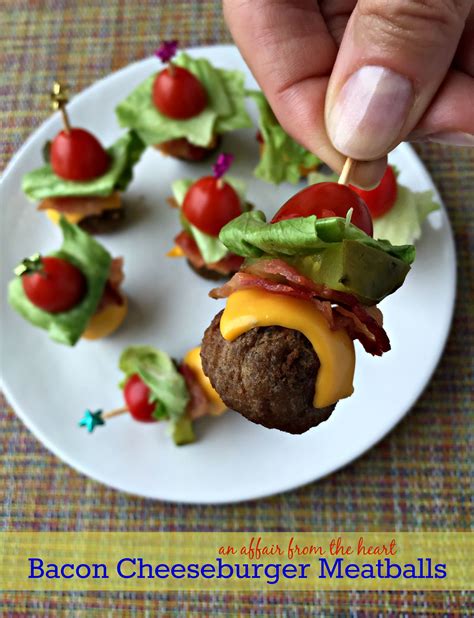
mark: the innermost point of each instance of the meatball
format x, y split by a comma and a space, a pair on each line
267, 375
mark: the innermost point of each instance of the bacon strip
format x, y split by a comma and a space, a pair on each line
198, 405
227, 265
112, 294
360, 322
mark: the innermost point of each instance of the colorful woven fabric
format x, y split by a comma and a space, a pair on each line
418, 478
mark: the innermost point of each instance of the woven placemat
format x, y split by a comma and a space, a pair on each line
418, 478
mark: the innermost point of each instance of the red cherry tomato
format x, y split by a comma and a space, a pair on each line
327, 199
78, 155
58, 286
177, 93
137, 397
381, 199
210, 203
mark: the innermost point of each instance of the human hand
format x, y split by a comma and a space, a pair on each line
355, 78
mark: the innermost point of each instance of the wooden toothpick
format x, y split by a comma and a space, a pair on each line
346, 172
114, 412
59, 99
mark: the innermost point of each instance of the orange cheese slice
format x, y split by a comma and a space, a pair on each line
193, 360
251, 308
105, 322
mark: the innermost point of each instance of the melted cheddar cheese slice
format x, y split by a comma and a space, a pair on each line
193, 360
105, 322
92, 206
251, 308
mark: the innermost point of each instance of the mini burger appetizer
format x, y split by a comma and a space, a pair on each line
156, 388
205, 207
281, 158
81, 180
72, 293
281, 353
185, 108
397, 211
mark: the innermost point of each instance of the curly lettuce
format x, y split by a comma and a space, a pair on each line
211, 248
124, 154
281, 159
167, 387
251, 236
224, 112
93, 261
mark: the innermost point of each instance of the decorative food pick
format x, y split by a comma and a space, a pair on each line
177, 93
206, 206
155, 388
59, 99
75, 153
75, 292
308, 288
222, 165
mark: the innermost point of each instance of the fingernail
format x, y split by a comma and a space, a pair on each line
453, 138
369, 112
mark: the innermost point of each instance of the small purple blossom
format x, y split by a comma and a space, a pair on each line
224, 161
166, 50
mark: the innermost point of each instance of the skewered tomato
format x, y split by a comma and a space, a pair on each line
327, 199
78, 155
54, 285
381, 199
137, 398
210, 203
178, 94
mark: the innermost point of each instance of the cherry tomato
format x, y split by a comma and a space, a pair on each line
177, 93
78, 155
137, 397
58, 286
210, 203
327, 199
381, 199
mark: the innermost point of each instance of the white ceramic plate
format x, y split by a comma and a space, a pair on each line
50, 385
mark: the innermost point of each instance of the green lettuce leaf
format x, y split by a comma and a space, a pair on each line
94, 261
402, 223
124, 154
251, 236
225, 110
211, 248
159, 373
282, 158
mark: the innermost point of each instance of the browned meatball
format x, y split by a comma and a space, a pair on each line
107, 221
267, 374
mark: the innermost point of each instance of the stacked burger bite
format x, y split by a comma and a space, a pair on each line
281, 353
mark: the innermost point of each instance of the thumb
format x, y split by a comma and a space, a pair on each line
393, 57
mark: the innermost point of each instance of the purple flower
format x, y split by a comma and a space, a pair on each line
224, 161
166, 50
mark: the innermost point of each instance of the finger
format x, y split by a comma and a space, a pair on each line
336, 14
291, 53
450, 117
393, 57
464, 59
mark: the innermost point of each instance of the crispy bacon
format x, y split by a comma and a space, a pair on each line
341, 310
198, 404
227, 265
112, 294
87, 206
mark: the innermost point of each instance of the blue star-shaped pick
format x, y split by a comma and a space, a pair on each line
90, 420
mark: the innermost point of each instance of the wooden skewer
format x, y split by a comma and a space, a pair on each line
59, 99
346, 172
115, 412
